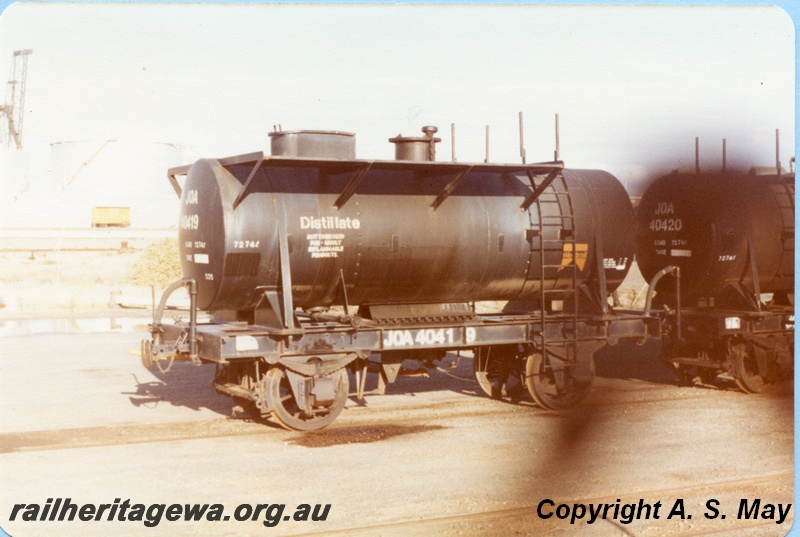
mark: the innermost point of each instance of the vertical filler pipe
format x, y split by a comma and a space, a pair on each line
193, 322
678, 303
453, 142
486, 160
521, 140
697, 155
724, 155
557, 152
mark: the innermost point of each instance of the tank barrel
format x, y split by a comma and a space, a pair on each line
406, 217
709, 225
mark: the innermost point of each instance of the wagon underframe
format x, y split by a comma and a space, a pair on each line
310, 360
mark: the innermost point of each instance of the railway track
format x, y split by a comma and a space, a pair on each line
370, 421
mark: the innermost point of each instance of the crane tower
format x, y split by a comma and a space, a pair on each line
13, 110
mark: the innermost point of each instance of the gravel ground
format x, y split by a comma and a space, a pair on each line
82, 419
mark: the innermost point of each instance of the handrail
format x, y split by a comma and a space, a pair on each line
259, 159
651, 289
162, 305
669, 269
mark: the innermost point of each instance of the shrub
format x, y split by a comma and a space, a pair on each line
159, 265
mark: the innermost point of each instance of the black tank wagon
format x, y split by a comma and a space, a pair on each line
724, 244
282, 249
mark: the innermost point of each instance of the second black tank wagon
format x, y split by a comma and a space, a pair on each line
724, 244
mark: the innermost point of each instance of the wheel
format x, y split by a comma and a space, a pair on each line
543, 377
284, 408
746, 370
147, 356
498, 371
147, 353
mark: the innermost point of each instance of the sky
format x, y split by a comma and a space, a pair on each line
633, 85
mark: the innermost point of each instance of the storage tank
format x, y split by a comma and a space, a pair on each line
395, 231
114, 173
709, 226
15, 169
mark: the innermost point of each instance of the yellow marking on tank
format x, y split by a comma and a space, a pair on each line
581, 252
